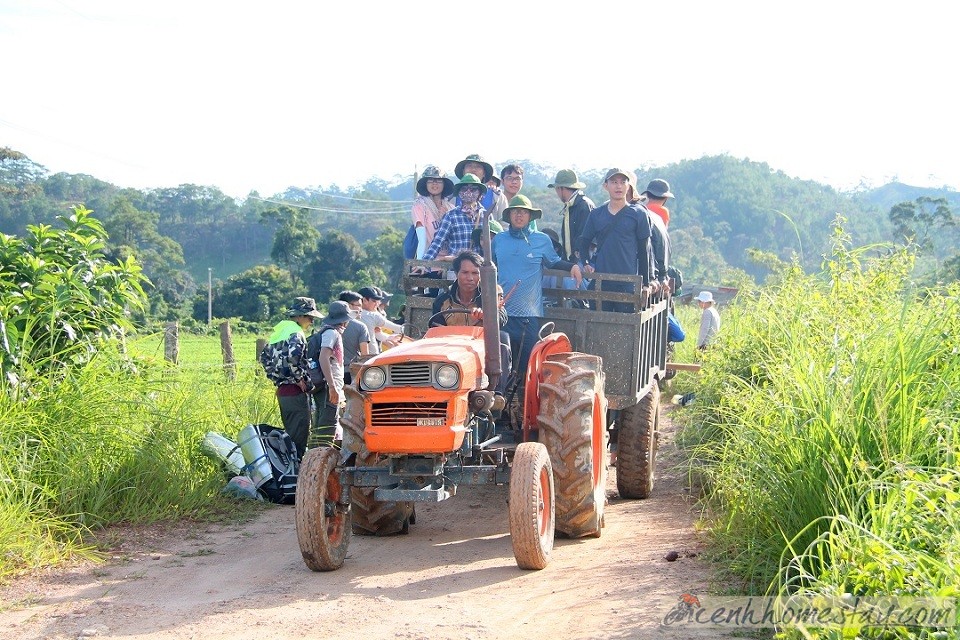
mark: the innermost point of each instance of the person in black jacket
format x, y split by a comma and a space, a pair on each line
576, 209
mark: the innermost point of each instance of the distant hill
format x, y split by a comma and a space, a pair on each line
724, 206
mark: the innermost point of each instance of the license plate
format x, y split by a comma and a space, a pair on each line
430, 422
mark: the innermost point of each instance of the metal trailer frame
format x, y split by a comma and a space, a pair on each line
633, 346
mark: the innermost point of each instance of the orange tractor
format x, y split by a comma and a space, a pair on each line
422, 419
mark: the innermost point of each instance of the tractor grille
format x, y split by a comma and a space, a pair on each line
414, 374
394, 414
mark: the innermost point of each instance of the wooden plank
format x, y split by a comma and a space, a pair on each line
683, 366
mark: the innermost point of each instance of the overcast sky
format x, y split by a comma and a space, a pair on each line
261, 96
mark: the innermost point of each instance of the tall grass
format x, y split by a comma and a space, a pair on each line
116, 440
826, 433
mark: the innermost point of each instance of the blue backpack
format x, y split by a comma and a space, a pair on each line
410, 244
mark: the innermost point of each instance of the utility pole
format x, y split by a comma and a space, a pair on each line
209, 296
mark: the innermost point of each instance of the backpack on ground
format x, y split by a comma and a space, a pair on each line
271, 461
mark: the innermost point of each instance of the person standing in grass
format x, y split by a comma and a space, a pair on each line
325, 348
709, 320
284, 360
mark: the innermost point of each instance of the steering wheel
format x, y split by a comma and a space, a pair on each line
445, 313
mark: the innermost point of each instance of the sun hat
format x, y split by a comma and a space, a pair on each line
337, 313
470, 179
434, 172
474, 157
619, 172
497, 181
704, 296
304, 307
566, 178
521, 202
371, 293
658, 189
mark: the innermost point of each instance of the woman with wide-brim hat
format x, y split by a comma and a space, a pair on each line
434, 189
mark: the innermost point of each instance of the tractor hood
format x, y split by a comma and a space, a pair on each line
458, 345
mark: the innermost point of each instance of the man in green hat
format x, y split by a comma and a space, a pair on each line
456, 231
521, 256
576, 209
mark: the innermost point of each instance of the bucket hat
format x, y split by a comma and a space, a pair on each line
620, 172
658, 189
304, 307
434, 172
566, 178
474, 157
337, 313
704, 296
521, 202
371, 293
470, 179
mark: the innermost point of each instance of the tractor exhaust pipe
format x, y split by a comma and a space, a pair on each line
490, 306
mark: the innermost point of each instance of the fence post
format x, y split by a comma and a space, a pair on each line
171, 343
226, 345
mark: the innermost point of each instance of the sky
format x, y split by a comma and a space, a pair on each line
261, 96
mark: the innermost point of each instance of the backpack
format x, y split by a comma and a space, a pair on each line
272, 462
314, 344
677, 276
410, 243
274, 361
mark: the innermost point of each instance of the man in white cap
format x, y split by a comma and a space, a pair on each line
709, 320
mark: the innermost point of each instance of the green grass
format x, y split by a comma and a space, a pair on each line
118, 441
825, 434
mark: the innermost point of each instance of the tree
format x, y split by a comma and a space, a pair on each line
257, 294
19, 175
337, 256
293, 241
59, 294
920, 221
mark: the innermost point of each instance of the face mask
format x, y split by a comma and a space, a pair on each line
355, 314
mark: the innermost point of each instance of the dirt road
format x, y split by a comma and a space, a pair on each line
453, 577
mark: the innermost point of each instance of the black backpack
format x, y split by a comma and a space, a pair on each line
281, 452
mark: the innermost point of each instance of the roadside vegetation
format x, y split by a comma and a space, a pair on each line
94, 431
825, 435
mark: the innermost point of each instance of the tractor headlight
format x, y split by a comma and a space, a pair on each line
448, 376
374, 378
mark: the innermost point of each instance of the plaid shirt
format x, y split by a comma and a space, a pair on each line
453, 236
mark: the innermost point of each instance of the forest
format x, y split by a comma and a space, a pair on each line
733, 222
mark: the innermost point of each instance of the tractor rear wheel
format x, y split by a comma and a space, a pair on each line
531, 506
637, 436
370, 517
573, 428
323, 521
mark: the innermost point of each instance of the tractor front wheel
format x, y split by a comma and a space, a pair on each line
531, 506
323, 516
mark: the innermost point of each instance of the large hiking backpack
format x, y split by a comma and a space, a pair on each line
271, 461
275, 363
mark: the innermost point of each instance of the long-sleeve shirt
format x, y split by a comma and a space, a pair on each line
709, 326
521, 257
623, 241
454, 234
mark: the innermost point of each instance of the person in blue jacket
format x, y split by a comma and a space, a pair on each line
521, 256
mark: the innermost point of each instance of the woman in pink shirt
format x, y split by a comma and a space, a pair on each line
431, 205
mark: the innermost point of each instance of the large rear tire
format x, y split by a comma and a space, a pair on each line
531, 506
637, 437
323, 522
573, 428
370, 517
